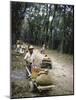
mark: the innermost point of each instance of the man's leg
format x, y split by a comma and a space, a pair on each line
27, 74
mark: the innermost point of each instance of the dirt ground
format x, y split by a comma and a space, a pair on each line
62, 68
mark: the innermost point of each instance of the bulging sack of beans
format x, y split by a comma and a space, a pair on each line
35, 72
44, 79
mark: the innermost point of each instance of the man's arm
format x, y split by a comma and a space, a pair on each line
26, 58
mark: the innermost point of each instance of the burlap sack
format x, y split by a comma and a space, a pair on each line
35, 72
44, 79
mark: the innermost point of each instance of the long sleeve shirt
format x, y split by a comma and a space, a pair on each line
30, 57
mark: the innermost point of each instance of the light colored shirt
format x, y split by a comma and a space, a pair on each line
18, 46
30, 57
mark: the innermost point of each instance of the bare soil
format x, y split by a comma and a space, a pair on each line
62, 68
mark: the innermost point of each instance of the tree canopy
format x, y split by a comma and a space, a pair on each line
39, 23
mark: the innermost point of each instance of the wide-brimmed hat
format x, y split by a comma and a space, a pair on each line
31, 47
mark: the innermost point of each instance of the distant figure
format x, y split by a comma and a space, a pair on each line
43, 49
21, 49
18, 46
29, 58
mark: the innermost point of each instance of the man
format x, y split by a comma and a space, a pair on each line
18, 46
30, 58
43, 49
22, 49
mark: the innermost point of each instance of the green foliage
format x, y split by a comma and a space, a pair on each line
31, 23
